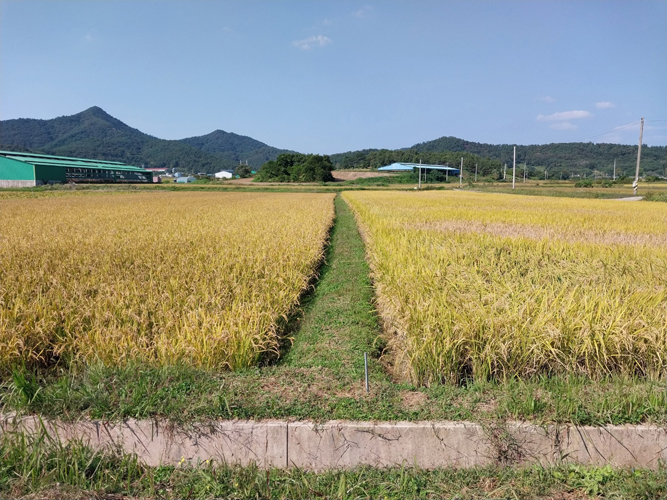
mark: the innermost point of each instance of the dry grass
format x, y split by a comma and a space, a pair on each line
500, 286
199, 278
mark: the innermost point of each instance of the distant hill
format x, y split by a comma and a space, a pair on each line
235, 148
93, 133
575, 158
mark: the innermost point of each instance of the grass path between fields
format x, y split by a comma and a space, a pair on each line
321, 375
339, 323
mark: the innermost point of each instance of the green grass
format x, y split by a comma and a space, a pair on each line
656, 196
568, 189
38, 466
340, 323
321, 376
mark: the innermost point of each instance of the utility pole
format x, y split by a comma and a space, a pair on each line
461, 174
420, 174
545, 174
639, 156
514, 169
614, 168
505, 172
475, 172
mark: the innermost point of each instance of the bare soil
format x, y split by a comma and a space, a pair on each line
341, 175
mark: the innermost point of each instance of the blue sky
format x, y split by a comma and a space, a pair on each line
333, 76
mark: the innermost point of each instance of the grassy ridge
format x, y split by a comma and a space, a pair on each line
340, 323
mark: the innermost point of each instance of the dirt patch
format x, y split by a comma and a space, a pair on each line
342, 175
246, 180
413, 400
571, 495
487, 407
308, 384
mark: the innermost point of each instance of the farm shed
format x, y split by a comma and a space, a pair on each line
224, 174
31, 169
408, 167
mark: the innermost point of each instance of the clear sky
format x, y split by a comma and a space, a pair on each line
333, 76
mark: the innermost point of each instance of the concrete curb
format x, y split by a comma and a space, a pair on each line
630, 198
343, 444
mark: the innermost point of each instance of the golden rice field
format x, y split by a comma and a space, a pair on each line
496, 286
204, 279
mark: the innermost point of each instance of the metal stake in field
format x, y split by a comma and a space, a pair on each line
614, 169
366, 369
461, 173
524, 172
639, 155
514, 169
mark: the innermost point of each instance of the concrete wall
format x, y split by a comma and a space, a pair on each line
339, 444
15, 184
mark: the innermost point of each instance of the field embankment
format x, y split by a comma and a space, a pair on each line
202, 279
483, 286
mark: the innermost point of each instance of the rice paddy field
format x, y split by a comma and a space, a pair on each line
198, 278
496, 287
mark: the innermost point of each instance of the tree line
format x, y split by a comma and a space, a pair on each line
296, 167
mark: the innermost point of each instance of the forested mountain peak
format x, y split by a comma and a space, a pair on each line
94, 133
234, 147
445, 143
220, 141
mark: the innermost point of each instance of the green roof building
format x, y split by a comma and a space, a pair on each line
31, 169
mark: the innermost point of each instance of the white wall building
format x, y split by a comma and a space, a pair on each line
224, 174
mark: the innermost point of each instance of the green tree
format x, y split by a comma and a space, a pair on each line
296, 167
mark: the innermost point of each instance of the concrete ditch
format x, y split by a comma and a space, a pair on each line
343, 444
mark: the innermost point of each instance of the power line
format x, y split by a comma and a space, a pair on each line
636, 122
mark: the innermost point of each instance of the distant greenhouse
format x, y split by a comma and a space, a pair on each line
186, 179
30, 169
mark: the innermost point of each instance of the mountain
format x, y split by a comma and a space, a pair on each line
95, 134
574, 158
235, 148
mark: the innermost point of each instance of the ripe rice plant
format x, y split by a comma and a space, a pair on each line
495, 286
164, 278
